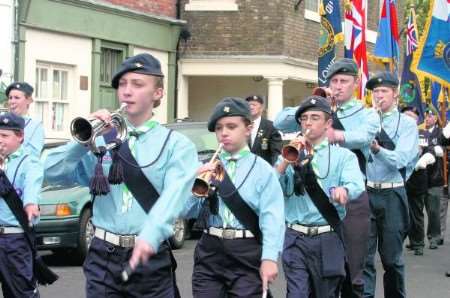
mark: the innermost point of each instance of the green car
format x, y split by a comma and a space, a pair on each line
65, 226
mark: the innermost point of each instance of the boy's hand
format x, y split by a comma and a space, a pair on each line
268, 272
32, 211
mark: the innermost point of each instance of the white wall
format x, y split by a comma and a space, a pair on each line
163, 57
70, 51
6, 39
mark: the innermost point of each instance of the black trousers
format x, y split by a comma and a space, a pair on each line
16, 267
314, 266
105, 262
356, 236
226, 268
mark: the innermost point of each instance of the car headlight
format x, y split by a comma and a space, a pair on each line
55, 210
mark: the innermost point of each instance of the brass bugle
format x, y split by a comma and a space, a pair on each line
291, 151
320, 91
85, 131
202, 184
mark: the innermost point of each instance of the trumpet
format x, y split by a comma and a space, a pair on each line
85, 131
319, 91
291, 151
203, 183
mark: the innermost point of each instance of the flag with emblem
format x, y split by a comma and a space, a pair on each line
330, 35
386, 49
410, 92
433, 53
355, 39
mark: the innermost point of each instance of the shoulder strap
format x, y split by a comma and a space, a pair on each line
243, 212
337, 124
142, 189
386, 142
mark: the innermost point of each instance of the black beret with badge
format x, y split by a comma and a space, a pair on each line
384, 78
255, 98
228, 107
10, 121
315, 103
141, 63
343, 66
21, 86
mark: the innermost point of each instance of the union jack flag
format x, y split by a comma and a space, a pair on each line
355, 39
411, 34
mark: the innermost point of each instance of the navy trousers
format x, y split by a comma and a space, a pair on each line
226, 268
105, 262
356, 236
16, 267
314, 266
388, 228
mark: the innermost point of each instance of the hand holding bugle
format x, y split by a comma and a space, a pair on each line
291, 151
202, 184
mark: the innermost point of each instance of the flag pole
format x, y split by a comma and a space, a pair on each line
443, 110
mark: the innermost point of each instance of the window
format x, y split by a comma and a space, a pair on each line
109, 62
312, 10
211, 5
52, 96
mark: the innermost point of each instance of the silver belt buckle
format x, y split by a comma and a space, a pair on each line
126, 241
377, 185
228, 234
313, 231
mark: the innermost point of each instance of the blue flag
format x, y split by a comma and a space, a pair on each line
330, 35
433, 54
438, 97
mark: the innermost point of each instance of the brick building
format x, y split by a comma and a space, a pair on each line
242, 47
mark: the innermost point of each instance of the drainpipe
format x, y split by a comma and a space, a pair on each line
15, 42
177, 57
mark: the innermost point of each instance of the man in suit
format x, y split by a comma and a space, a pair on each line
265, 140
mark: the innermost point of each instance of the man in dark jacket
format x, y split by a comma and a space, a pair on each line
265, 140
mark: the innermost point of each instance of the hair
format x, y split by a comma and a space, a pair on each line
18, 133
159, 83
327, 116
246, 121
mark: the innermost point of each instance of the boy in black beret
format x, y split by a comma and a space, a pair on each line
25, 173
264, 140
244, 221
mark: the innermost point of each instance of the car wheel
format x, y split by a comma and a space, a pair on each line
86, 234
177, 240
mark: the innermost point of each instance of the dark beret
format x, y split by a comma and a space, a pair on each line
227, 107
141, 63
343, 66
11, 121
255, 98
315, 103
384, 78
21, 86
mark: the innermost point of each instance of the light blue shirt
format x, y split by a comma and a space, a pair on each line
361, 125
262, 192
386, 163
28, 183
343, 171
172, 176
34, 136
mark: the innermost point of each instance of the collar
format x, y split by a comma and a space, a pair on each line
256, 122
236, 156
142, 129
15, 154
348, 104
321, 145
391, 112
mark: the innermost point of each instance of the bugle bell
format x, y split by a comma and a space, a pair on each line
202, 184
85, 131
291, 151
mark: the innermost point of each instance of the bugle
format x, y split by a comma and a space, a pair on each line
319, 91
85, 131
202, 184
291, 151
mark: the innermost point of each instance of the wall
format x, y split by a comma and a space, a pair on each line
160, 7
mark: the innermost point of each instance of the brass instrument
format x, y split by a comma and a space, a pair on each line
291, 151
85, 131
203, 183
319, 91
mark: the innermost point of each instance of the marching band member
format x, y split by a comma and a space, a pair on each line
315, 198
25, 173
134, 220
20, 96
392, 153
244, 221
